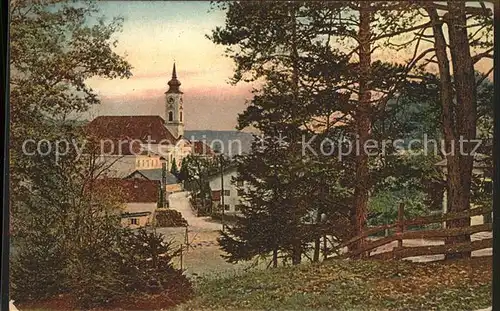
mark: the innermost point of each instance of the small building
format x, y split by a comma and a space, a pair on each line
140, 197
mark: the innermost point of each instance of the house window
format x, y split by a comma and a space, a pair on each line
227, 193
240, 192
170, 116
226, 207
134, 221
239, 183
180, 117
238, 207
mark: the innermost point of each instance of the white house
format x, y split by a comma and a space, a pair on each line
232, 195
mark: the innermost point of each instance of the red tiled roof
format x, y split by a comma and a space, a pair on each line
133, 190
116, 128
200, 148
216, 195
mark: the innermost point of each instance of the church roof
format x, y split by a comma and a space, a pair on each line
130, 190
130, 128
174, 84
153, 174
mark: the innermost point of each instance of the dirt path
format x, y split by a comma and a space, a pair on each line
203, 257
180, 202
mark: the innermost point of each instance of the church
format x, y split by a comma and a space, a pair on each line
143, 142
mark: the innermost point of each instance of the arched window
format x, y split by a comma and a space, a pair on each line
170, 116
180, 116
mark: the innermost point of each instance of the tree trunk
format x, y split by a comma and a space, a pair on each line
294, 54
317, 241
275, 257
459, 119
317, 249
363, 123
466, 115
296, 252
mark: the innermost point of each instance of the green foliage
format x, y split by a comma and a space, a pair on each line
66, 233
197, 171
383, 207
38, 270
147, 266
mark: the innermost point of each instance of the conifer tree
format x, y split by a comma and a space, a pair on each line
292, 48
174, 170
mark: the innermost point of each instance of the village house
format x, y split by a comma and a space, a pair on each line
171, 182
231, 194
139, 196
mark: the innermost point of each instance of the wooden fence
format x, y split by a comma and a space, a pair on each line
401, 232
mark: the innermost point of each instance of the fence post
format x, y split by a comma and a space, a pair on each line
181, 256
325, 247
401, 225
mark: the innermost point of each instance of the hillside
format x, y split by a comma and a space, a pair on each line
230, 139
352, 285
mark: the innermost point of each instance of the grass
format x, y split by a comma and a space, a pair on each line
352, 285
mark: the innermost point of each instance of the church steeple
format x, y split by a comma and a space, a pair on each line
174, 84
174, 119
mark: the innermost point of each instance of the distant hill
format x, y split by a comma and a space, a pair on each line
230, 140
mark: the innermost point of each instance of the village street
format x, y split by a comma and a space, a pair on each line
180, 202
203, 256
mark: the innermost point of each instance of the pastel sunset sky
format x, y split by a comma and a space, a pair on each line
157, 33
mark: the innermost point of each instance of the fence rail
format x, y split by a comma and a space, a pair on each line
401, 233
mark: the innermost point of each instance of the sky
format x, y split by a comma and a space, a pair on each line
157, 33
154, 35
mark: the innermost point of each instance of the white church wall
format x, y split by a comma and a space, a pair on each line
119, 166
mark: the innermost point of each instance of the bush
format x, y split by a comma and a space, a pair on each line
169, 218
147, 266
121, 264
37, 270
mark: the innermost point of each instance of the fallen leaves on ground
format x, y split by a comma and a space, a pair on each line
353, 285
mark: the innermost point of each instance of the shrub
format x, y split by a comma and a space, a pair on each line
147, 266
169, 218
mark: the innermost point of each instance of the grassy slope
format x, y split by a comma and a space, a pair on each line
352, 285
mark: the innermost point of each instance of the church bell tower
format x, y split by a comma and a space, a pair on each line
174, 114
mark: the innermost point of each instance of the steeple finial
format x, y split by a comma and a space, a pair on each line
174, 84
174, 73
